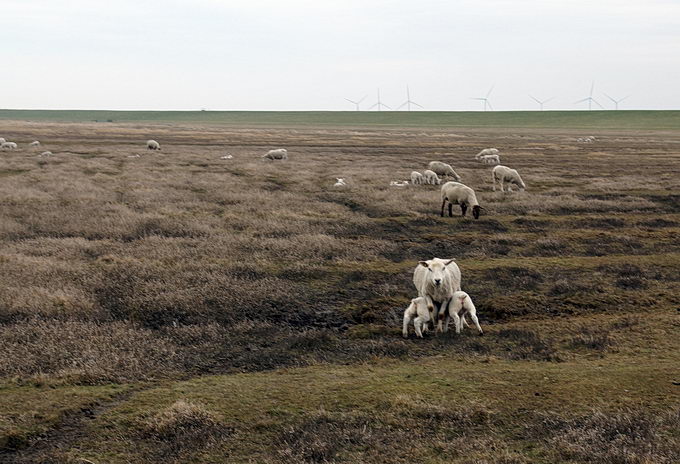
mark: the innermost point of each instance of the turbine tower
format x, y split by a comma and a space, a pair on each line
616, 102
590, 99
541, 103
379, 103
408, 101
486, 100
356, 103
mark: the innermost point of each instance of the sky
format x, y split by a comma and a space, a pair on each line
311, 55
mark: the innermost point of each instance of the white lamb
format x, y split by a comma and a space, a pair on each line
443, 169
490, 159
340, 182
431, 177
417, 178
35, 143
436, 280
457, 193
460, 306
8, 146
486, 151
278, 154
418, 313
153, 145
45, 153
505, 174
2, 140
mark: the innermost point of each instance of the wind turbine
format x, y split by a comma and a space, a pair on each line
408, 101
356, 103
486, 99
379, 103
590, 99
541, 103
616, 102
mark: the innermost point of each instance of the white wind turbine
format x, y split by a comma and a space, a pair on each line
616, 102
590, 99
408, 101
486, 99
356, 103
541, 103
379, 104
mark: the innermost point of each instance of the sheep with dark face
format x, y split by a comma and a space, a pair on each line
153, 145
460, 194
278, 154
436, 280
504, 174
486, 152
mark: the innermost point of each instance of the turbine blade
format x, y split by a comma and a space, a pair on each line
609, 97
402, 105
373, 106
386, 106
364, 98
624, 98
592, 86
597, 103
351, 101
549, 99
490, 90
419, 106
477, 98
535, 99
489, 103
581, 101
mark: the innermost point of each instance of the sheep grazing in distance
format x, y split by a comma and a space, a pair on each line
486, 151
417, 178
443, 169
504, 174
278, 154
8, 146
33, 144
417, 312
457, 193
490, 159
2, 140
589, 139
461, 305
431, 177
436, 280
226, 157
339, 182
45, 153
397, 183
153, 145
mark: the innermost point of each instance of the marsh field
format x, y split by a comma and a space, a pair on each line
176, 307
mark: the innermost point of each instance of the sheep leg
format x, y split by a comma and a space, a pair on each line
418, 325
443, 204
463, 209
407, 321
473, 316
456, 322
450, 209
493, 181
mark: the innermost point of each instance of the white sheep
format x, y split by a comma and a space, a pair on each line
461, 305
443, 169
417, 178
153, 145
8, 145
278, 154
431, 177
2, 140
457, 193
339, 182
226, 157
417, 312
46, 153
35, 143
505, 174
397, 183
490, 159
486, 151
436, 280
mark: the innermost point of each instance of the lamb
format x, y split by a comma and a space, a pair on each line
46, 153
153, 145
461, 305
226, 157
340, 182
485, 152
417, 178
490, 159
436, 280
505, 174
417, 312
443, 169
431, 178
8, 145
457, 193
278, 154
35, 143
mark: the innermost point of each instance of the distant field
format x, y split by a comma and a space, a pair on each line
623, 120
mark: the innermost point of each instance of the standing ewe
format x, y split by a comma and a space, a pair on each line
417, 178
278, 154
431, 177
436, 280
486, 151
443, 169
490, 159
8, 145
455, 192
417, 312
461, 304
153, 145
505, 174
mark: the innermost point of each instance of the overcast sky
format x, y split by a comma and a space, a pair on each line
299, 54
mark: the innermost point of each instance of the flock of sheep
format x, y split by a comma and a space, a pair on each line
6, 146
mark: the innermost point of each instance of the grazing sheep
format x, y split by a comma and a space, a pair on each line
461, 305
340, 182
396, 183
278, 154
226, 157
431, 177
417, 178
8, 145
436, 280
457, 193
505, 174
490, 159
153, 145
486, 151
2, 140
417, 312
45, 153
35, 143
443, 169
